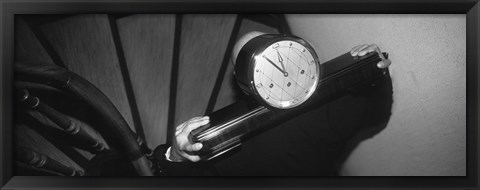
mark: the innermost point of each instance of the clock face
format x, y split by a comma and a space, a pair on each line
285, 74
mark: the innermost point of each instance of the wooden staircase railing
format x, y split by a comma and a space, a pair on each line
124, 139
133, 71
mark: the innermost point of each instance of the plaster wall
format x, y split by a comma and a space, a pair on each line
426, 134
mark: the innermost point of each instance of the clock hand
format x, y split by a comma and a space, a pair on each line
276, 66
280, 59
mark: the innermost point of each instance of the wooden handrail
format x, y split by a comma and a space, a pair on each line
124, 139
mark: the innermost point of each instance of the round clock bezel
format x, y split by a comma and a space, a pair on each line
270, 39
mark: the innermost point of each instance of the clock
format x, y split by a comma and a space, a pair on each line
280, 71
285, 79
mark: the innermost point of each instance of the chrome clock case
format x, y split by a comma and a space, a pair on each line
230, 126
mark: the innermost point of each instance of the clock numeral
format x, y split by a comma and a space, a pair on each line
289, 83
306, 91
275, 46
259, 85
268, 97
295, 101
303, 50
311, 62
302, 72
271, 86
290, 43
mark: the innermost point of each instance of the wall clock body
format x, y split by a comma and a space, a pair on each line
283, 76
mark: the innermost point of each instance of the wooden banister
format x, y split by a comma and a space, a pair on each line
123, 138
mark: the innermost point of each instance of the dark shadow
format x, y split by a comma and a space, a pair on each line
381, 99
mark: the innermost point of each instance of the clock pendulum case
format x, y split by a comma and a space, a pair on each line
282, 73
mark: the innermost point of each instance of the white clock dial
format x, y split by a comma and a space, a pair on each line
285, 74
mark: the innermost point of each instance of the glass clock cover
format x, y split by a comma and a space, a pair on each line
285, 74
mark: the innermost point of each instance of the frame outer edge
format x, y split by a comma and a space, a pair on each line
6, 53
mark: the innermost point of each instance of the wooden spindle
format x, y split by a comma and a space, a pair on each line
70, 125
41, 161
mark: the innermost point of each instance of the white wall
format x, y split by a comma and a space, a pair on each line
426, 133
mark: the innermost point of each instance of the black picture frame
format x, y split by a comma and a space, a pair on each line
8, 9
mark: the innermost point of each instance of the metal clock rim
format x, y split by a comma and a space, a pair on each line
262, 48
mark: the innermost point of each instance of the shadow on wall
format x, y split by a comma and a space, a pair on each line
380, 99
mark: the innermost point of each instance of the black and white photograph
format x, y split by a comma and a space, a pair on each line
240, 95
159, 94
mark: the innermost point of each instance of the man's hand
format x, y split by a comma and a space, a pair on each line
361, 50
182, 149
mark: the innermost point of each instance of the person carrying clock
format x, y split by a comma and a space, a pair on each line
314, 143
